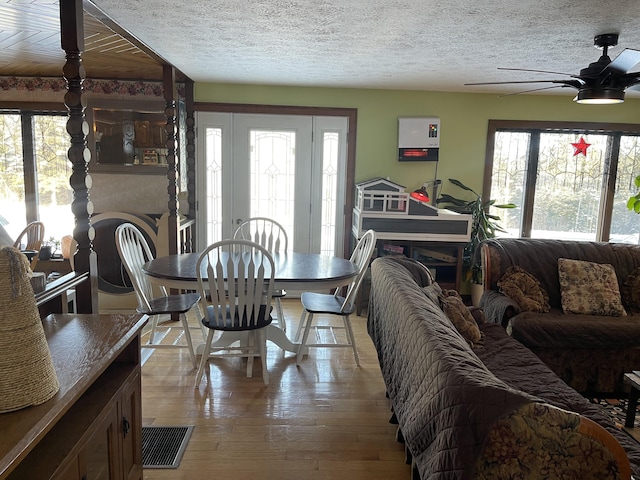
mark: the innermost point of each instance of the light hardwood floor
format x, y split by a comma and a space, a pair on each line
326, 419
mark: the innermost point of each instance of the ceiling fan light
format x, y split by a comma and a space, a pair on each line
599, 96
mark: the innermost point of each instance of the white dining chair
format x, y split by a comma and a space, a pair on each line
335, 304
272, 236
238, 278
134, 252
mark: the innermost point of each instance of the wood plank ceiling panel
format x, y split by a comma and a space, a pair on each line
30, 45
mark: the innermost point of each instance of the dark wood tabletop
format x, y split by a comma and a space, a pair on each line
294, 270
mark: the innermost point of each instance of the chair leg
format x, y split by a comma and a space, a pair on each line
307, 328
300, 325
251, 340
281, 320
154, 328
262, 338
351, 338
187, 334
204, 359
203, 329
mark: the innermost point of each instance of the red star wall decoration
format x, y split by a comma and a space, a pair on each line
580, 147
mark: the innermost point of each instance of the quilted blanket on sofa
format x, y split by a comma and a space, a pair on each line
517, 366
444, 397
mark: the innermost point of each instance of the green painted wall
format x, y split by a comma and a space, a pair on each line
464, 118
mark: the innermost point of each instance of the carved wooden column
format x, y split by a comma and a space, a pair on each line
191, 151
72, 35
170, 95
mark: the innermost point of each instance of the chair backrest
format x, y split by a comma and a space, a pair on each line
31, 237
134, 252
264, 231
238, 275
361, 256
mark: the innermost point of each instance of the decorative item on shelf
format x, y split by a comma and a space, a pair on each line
27, 371
150, 157
65, 246
484, 225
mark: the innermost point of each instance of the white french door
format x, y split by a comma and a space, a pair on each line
270, 166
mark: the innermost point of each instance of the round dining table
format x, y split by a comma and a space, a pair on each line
294, 271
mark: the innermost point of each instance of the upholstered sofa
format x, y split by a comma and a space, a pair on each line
589, 332
491, 410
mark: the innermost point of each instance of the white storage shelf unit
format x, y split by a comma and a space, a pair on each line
395, 215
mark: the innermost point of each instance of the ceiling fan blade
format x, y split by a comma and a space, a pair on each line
624, 62
564, 83
536, 71
532, 90
516, 81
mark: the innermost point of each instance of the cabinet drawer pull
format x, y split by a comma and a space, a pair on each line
126, 426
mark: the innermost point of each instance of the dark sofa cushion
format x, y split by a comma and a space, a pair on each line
630, 291
559, 330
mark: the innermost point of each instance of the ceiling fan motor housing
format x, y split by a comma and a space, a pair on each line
605, 40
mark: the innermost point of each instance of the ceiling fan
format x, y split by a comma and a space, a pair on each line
602, 82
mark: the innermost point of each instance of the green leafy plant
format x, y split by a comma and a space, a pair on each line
634, 202
483, 225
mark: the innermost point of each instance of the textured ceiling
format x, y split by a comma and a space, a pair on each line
399, 44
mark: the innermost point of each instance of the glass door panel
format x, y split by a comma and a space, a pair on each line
272, 177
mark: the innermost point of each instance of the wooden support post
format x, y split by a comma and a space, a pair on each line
72, 35
191, 152
170, 94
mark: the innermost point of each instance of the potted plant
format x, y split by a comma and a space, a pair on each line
483, 225
49, 248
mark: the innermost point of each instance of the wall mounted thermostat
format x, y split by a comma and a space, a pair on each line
418, 139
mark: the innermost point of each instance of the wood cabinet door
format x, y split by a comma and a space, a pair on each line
131, 428
69, 471
100, 456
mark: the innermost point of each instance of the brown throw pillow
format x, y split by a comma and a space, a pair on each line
524, 289
589, 288
630, 291
459, 314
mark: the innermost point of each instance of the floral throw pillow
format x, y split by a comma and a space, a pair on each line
589, 288
459, 314
524, 289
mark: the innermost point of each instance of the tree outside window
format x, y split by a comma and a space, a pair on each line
566, 194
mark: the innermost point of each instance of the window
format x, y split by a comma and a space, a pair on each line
35, 173
565, 191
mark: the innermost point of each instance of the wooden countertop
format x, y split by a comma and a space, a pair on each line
82, 348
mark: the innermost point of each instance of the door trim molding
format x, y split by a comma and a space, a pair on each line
350, 113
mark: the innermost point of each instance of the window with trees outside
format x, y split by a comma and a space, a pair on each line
35, 172
570, 181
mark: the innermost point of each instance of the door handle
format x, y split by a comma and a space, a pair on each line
126, 426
